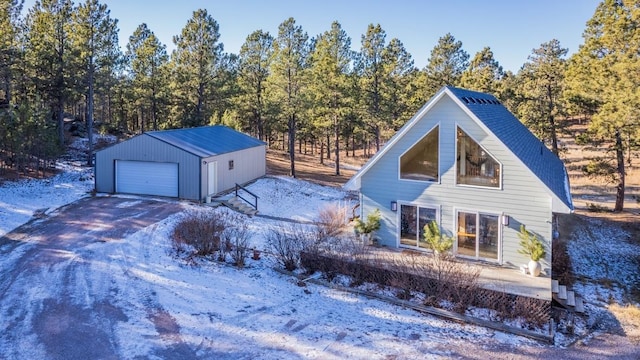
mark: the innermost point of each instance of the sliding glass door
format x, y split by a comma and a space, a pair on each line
478, 235
412, 220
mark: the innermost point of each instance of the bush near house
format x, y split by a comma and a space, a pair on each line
444, 281
214, 234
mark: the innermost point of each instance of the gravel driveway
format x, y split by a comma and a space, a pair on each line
50, 306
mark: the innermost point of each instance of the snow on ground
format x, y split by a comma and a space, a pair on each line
602, 254
297, 200
19, 200
258, 313
239, 313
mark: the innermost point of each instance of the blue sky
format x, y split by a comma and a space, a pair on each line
512, 28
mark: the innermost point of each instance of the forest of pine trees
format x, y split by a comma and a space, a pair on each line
296, 91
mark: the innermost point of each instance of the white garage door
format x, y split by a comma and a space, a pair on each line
147, 178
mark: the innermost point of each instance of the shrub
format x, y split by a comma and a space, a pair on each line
213, 234
235, 240
287, 243
593, 207
436, 241
561, 263
530, 245
331, 220
201, 231
370, 225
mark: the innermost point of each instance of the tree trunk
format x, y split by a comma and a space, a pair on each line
322, 152
353, 146
552, 122
292, 144
337, 130
154, 109
59, 114
328, 145
620, 160
90, 115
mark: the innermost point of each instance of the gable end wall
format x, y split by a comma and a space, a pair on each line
147, 148
522, 197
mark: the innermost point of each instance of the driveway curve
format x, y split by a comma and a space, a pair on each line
52, 304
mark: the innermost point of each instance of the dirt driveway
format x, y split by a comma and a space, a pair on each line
50, 307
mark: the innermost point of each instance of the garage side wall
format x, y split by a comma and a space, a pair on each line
248, 164
147, 148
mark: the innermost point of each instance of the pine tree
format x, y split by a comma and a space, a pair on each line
447, 62
397, 88
9, 51
148, 59
604, 77
291, 50
371, 70
254, 68
330, 62
48, 53
541, 91
483, 74
95, 38
196, 64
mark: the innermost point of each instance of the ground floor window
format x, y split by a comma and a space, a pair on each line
478, 235
413, 218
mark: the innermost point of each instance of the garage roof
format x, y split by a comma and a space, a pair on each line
207, 140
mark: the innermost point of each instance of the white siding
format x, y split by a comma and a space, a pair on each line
248, 164
521, 197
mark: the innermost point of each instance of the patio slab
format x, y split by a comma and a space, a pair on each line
505, 279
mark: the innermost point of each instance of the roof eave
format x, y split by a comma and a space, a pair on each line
354, 182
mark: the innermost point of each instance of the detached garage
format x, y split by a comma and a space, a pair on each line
184, 163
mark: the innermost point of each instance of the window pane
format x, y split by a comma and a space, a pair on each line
466, 234
489, 236
426, 215
474, 165
408, 225
421, 161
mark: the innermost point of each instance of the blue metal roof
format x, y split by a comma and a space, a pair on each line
207, 140
515, 136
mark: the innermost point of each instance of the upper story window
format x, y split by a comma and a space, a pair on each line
421, 161
474, 165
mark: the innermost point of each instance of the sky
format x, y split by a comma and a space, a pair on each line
511, 28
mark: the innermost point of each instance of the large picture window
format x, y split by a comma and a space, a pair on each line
478, 235
412, 221
475, 166
421, 161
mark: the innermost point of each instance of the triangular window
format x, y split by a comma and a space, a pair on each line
421, 161
474, 165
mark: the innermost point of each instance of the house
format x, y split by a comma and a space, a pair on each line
464, 161
192, 164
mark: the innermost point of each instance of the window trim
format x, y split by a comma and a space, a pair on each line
437, 181
455, 163
456, 211
399, 244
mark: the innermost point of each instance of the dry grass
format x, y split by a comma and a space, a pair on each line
593, 190
309, 168
629, 318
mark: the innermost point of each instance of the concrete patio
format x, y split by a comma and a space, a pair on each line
492, 277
